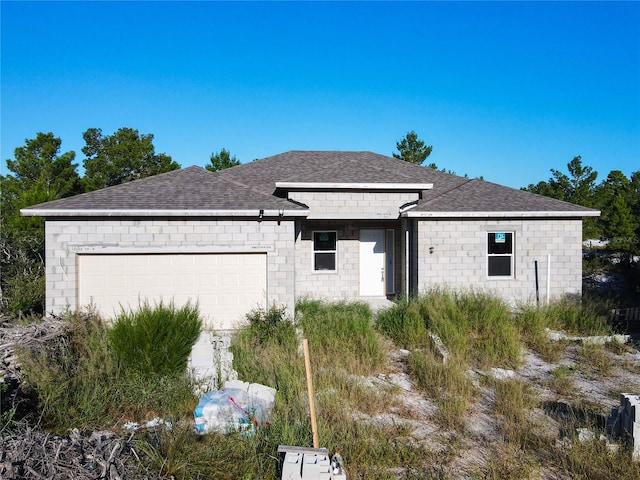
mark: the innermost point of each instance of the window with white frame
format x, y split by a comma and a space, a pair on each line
324, 251
500, 254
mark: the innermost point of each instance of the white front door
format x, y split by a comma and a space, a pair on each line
372, 263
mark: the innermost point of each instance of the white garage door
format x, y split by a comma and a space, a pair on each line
226, 286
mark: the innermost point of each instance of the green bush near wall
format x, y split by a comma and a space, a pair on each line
155, 340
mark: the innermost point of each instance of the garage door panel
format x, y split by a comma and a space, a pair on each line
226, 286
228, 261
253, 280
209, 281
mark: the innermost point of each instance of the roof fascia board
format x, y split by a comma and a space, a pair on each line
353, 216
353, 186
160, 213
517, 214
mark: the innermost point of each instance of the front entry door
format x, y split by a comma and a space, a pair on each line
372, 258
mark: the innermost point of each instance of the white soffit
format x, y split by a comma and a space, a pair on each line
44, 212
516, 214
354, 186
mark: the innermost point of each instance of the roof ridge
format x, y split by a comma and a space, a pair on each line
244, 185
426, 202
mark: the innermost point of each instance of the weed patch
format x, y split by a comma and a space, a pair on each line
513, 401
344, 347
560, 380
595, 359
476, 327
80, 384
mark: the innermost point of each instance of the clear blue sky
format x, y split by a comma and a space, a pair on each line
503, 90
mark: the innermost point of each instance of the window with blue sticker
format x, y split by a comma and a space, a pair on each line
500, 254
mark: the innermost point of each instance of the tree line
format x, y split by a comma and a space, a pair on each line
616, 196
40, 172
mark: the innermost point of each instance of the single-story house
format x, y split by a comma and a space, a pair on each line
322, 224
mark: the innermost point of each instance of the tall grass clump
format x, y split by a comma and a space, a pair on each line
533, 323
476, 327
405, 323
514, 400
448, 383
478, 331
79, 382
155, 340
593, 460
569, 315
265, 351
71, 374
333, 329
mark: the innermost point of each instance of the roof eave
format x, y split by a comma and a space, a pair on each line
161, 213
506, 214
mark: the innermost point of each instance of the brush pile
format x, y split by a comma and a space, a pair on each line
26, 452
13, 335
29, 453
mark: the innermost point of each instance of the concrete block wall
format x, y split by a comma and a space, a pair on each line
459, 258
374, 204
341, 284
66, 237
345, 282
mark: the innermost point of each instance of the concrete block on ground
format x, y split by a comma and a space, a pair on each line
439, 347
292, 466
260, 392
635, 452
310, 467
210, 361
624, 421
501, 373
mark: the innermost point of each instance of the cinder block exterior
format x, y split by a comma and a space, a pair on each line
459, 258
66, 238
344, 282
440, 225
361, 203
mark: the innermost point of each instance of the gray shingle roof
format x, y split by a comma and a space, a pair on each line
191, 188
252, 186
475, 195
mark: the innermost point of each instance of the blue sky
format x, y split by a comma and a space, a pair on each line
504, 90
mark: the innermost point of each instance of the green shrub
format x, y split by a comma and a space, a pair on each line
79, 383
24, 294
156, 340
270, 324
